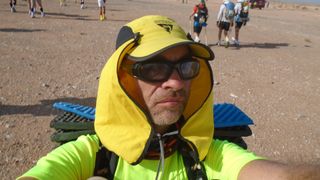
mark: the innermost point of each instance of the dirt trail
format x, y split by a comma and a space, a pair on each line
274, 75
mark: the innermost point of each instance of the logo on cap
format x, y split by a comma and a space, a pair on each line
167, 27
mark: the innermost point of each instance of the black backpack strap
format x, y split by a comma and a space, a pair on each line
194, 168
106, 163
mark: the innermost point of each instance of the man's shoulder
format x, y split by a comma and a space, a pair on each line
237, 5
228, 157
224, 146
90, 141
222, 6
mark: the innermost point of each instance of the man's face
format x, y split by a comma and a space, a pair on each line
166, 100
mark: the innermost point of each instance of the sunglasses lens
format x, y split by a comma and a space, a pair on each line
189, 69
160, 71
155, 72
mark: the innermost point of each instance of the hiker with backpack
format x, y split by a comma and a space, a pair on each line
225, 20
32, 7
102, 10
242, 17
154, 117
200, 16
13, 4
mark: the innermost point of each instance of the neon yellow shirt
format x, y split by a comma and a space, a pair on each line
76, 160
123, 122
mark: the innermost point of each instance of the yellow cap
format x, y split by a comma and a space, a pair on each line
154, 34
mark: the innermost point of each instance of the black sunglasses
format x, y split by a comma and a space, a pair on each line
159, 70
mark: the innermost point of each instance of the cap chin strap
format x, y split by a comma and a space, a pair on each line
161, 161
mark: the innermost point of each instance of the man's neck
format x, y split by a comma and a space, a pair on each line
162, 129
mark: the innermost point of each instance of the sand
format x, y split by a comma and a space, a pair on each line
273, 77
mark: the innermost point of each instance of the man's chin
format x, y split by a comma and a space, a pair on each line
166, 118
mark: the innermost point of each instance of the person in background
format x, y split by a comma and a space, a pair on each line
225, 19
32, 8
81, 4
62, 3
13, 4
241, 18
154, 118
200, 16
102, 10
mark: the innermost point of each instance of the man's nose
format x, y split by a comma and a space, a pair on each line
174, 81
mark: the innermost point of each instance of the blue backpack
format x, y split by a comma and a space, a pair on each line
229, 12
244, 13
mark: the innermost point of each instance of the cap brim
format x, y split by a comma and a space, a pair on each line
148, 50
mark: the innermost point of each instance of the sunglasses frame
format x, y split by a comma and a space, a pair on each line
135, 69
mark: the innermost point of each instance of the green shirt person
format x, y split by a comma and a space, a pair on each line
154, 112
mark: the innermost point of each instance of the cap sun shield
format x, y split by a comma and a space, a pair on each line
157, 34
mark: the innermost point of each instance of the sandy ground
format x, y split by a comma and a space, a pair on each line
274, 76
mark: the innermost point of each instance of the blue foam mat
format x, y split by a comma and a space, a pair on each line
225, 115
84, 111
229, 115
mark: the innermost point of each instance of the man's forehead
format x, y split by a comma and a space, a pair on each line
174, 53
179, 51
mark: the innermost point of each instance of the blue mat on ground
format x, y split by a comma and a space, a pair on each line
225, 115
84, 111
229, 115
